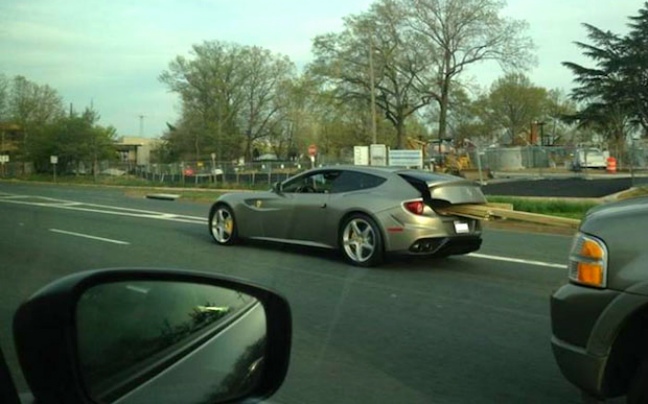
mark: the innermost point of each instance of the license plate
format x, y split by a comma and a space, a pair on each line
461, 227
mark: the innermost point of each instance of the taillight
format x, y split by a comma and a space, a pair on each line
415, 207
588, 261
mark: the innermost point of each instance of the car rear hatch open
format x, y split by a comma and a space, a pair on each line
454, 196
441, 190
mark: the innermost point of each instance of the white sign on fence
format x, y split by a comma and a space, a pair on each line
406, 158
378, 155
361, 155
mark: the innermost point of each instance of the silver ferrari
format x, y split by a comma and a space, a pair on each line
365, 212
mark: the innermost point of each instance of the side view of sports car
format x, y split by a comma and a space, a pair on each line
365, 212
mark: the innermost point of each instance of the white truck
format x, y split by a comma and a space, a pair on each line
590, 157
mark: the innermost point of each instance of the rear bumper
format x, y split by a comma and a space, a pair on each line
443, 246
436, 233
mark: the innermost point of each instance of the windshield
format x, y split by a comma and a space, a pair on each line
250, 138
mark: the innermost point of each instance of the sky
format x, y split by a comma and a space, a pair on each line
111, 53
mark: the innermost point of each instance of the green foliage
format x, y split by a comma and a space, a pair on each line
75, 139
615, 90
514, 102
574, 210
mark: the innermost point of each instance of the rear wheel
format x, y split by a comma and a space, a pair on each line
361, 241
638, 391
222, 226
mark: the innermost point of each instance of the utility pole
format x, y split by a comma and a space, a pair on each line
141, 131
372, 80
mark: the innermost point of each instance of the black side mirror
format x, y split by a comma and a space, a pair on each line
152, 336
276, 187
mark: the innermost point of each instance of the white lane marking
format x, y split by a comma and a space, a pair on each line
71, 233
517, 260
111, 210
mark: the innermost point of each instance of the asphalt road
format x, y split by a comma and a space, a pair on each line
560, 187
462, 330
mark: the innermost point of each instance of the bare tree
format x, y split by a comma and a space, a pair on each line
464, 32
227, 92
208, 84
32, 106
401, 65
266, 74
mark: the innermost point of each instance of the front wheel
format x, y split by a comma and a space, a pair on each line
222, 226
361, 241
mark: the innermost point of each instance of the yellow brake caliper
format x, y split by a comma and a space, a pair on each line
229, 225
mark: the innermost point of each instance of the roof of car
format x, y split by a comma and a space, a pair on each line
427, 176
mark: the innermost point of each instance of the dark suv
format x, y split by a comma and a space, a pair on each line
600, 319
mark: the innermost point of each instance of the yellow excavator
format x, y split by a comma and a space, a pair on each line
451, 163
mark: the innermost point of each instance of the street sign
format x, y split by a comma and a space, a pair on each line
378, 154
312, 150
54, 159
361, 155
406, 158
4, 158
200, 164
213, 156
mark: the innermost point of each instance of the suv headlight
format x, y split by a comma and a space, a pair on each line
588, 261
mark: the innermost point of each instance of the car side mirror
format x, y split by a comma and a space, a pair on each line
276, 187
152, 336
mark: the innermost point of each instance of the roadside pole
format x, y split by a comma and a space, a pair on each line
4, 158
54, 162
312, 152
479, 167
632, 154
479, 162
213, 162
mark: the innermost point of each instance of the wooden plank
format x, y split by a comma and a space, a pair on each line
507, 206
490, 212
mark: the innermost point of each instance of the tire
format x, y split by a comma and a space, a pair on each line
222, 225
361, 241
638, 390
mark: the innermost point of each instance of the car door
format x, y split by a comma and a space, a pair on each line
310, 206
274, 214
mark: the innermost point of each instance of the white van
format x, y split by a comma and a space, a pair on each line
591, 157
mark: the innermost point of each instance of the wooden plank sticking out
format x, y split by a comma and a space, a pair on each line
497, 212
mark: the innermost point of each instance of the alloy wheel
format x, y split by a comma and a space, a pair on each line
359, 240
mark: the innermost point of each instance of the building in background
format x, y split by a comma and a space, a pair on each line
136, 151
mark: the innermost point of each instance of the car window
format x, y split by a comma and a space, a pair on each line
354, 181
319, 183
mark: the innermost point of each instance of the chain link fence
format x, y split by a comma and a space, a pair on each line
256, 175
631, 160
